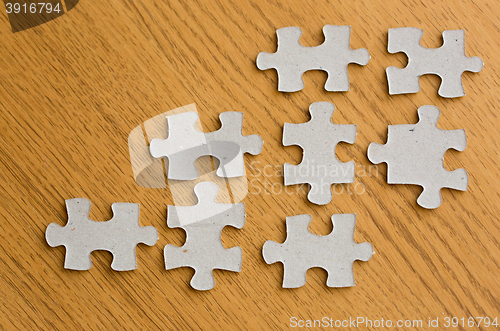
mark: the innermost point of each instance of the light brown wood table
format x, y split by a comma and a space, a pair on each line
72, 90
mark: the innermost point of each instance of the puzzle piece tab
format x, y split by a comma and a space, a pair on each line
319, 168
303, 250
414, 154
203, 223
185, 144
81, 236
292, 59
448, 62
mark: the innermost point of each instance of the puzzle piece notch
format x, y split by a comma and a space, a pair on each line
185, 144
292, 59
302, 250
320, 167
448, 62
81, 236
203, 250
414, 154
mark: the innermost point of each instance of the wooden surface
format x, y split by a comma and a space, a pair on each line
72, 90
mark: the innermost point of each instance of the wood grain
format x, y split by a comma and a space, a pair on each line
72, 89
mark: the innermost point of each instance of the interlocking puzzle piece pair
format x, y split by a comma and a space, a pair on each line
292, 59
204, 222
185, 144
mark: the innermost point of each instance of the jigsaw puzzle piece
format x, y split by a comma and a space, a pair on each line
448, 61
292, 59
119, 236
303, 250
414, 155
319, 167
203, 250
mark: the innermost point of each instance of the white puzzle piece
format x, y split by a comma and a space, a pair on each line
203, 223
81, 236
414, 154
320, 167
448, 62
303, 250
292, 59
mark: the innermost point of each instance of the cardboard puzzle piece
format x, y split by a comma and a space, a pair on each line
414, 154
81, 236
303, 250
292, 59
448, 62
320, 167
185, 144
203, 223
